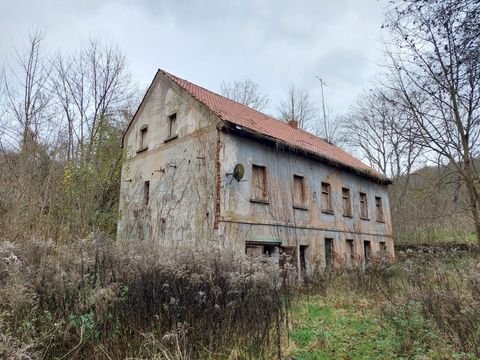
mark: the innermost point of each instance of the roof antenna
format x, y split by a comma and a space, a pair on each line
325, 129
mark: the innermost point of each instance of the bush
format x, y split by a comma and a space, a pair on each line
95, 297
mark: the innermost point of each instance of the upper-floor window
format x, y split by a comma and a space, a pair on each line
143, 145
347, 202
363, 206
299, 192
259, 184
172, 126
326, 198
379, 208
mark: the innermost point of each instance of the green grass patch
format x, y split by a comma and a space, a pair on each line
353, 328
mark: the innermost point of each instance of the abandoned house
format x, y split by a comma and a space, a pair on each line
203, 169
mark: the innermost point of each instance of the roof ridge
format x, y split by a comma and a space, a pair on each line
222, 96
282, 122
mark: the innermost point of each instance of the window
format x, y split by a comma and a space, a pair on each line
347, 203
379, 208
259, 184
329, 253
367, 251
143, 138
326, 198
363, 206
303, 259
383, 249
350, 251
172, 126
146, 192
299, 196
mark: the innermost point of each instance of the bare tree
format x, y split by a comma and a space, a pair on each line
298, 106
375, 129
436, 73
91, 87
26, 92
61, 121
245, 92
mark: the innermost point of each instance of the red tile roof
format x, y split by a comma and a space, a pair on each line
258, 122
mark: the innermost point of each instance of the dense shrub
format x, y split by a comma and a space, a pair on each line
95, 297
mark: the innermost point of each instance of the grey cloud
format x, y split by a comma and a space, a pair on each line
275, 43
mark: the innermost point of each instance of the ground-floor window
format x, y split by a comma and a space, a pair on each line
367, 251
349, 251
383, 249
329, 252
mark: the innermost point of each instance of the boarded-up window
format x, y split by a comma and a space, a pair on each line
329, 252
347, 203
146, 192
349, 251
363, 206
172, 125
254, 250
259, 183
367, 251
299, 196
379, 208
326, 198
383, 249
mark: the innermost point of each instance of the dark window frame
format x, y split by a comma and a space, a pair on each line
367, 251
146, 193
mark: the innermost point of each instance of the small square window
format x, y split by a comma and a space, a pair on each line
326, 198
379, 208
363, 206
347, 203
299, 192
259, 184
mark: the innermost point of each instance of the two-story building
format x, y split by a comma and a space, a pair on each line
201, 169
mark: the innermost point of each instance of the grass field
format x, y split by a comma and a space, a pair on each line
428, 309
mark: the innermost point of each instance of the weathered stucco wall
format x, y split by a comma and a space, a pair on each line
278, 222
180, 171
192, 199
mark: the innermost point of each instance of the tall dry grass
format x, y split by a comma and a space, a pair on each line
97, 298
431, 297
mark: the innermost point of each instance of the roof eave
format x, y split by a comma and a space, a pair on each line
235, 128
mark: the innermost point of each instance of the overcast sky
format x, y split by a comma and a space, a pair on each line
275, 43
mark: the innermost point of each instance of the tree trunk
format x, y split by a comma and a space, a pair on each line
473, 197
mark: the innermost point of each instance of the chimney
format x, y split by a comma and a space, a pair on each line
293, 123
